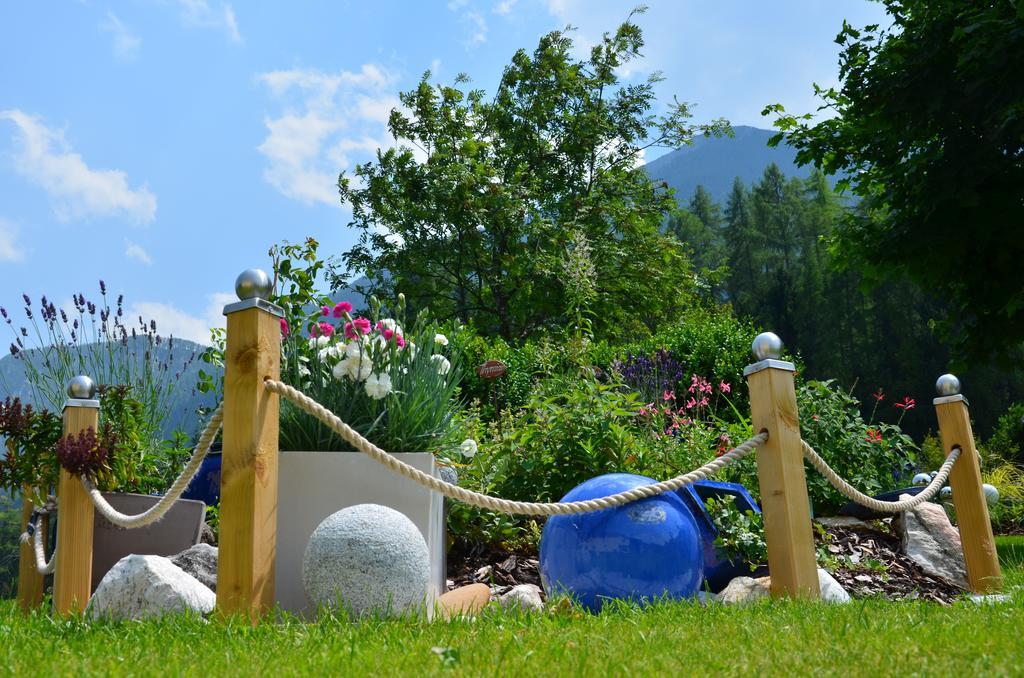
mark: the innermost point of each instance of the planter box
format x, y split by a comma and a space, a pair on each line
313, 485
174, 533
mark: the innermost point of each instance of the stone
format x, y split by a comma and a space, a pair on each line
746, 589
140, 587
200, 561
930, 540
525, 597
848, 522
368, 559
464, 601
207, 535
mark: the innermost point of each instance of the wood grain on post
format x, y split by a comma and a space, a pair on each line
980, 556
780, 474
72, 576
248, 484
30, 582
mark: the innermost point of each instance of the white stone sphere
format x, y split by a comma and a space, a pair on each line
369, 559
991, 494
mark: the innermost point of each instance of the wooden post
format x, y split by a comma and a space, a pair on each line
72, 577
780, 473
248, 482
30, 582
980, 556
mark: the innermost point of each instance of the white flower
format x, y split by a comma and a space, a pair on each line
334, 351
319, 342
411, 347
378, 385
303, 370
440, 340
339, 371
354, 368
354, 350
468, 447
443, 366
389, 324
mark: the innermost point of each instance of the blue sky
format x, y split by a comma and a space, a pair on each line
165, 145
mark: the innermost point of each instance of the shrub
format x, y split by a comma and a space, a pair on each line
1007, 440
740, 537
1008, 513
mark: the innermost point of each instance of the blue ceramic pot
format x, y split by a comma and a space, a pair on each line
641, 551
205, 486
718, 571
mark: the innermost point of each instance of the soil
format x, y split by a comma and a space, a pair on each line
866, 560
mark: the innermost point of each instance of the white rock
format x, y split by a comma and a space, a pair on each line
931, 541
138, 587
746, 590
526, 597
370, 559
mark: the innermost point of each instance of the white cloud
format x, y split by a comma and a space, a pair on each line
78, 192
328, 121
136, 252
126, 43
199, 14
473, 22
172, 321
505, 6
9, 250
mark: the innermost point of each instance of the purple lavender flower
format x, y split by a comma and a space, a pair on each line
28, 302
103, 288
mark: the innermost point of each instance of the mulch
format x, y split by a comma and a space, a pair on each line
871, 565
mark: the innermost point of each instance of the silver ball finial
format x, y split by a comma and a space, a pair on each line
921, 479
82, 388
991, 494
253, 283
767, 345
947, 385
946, 493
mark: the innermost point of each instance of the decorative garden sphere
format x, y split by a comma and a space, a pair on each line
367, 559
946, 493
947, 385
991, 494
253, 283
82, 388
449, 475
921, 479
767, 345
639, 551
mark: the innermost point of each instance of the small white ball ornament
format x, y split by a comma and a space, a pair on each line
922, 479
369, 559
991, 494
82, 388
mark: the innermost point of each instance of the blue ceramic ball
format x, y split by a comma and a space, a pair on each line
643, 550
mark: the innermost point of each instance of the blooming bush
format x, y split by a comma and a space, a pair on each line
393, 383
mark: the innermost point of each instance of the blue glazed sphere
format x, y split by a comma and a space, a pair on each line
643, 550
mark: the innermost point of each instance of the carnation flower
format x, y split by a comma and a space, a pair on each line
378, 385
440, 340
341, 308
468, 448
319, 342
443, 366
354, 368
359, 325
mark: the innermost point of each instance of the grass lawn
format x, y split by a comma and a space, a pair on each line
866, 637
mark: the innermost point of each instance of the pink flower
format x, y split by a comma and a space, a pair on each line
400, 341
361, 325
341, 308
325, 311
668, 395
907, 404
326, 329
387, 334
691, 403
703, 402
724, 387
284, 328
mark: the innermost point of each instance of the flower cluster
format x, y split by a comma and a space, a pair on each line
692, 408
87, 454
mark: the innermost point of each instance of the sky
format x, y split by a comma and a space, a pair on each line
164, 146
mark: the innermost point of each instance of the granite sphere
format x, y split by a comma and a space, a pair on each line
367, 559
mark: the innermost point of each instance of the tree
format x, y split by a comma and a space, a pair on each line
928, 132
484, 204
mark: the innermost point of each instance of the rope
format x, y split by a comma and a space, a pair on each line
854, 494
315, 409
42, 567
34, 534
160, 509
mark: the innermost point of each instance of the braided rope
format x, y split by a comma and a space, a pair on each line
160, 509
315, 409
854, 494
42, 566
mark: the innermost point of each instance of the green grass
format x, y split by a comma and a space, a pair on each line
866, 637
1011, 550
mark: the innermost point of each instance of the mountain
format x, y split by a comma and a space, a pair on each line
714, 163
178, 362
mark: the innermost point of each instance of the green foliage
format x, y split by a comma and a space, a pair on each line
490, 226
10, 541
739, 534
387, 378
873, 457
1007, 439
1007, 514
29, 458
926, 128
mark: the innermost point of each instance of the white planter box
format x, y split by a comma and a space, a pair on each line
313, 485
